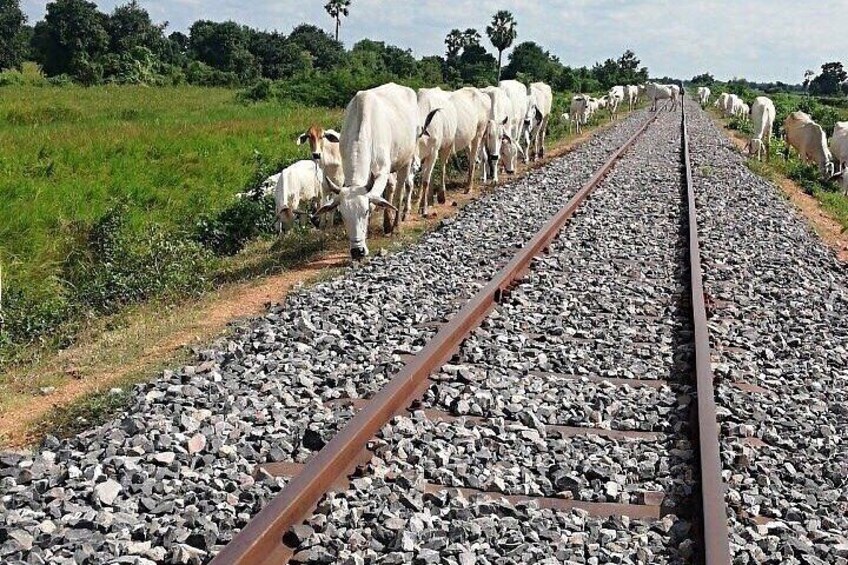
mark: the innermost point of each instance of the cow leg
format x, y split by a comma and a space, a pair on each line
544, 135
472, 164
444, 155
403, 174
426, 178
388, 194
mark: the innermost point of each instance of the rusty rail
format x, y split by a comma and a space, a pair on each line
716, 534
260, 542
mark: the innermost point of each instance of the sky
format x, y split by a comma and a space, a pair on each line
760, 40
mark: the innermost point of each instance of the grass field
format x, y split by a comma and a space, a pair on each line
67, 154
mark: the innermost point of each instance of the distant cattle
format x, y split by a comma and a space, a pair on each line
839, 147
762, 119
703, 96
808, 139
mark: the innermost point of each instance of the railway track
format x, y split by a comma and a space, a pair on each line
567, 391
557, 424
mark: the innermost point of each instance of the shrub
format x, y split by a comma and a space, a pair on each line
29, 74
113, 266
227, 232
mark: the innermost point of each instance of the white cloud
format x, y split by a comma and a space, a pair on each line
755, 39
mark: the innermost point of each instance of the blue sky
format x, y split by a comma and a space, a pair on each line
755, 39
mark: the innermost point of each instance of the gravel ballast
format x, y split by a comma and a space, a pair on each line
780, 322
605, 301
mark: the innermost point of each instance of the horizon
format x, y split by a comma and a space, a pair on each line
696, 42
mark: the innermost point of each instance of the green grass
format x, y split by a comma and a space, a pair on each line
67, 154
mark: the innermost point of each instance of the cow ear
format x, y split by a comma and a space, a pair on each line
332, 136
301, 139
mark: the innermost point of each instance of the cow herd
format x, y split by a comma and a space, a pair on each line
800, 132
390, 132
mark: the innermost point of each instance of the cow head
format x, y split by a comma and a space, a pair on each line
354, 204
493, 140
316, 136
510, 150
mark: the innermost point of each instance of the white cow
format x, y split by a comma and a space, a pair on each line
657, 92
808, 139
839, 147
676, 97
437, 116
733, 105
578, 111
378, 138
472, 117
703, 95
520, 99
631, 94
498, 127
721, 101
763, 114
263, 190
616, 97
541, 102
302, 181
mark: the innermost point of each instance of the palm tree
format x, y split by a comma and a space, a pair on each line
337, 9
453, 43
502, 33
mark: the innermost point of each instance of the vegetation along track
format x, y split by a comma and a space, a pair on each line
559, 429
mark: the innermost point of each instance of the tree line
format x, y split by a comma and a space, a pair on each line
77, 42
832, 81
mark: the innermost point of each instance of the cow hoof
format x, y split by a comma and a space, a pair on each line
441, 198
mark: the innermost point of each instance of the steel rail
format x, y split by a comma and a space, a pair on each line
715, 531
261, 540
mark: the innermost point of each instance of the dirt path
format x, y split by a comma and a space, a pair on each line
153, 337
825, 225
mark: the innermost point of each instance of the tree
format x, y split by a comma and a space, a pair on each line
130, 26
338, 9
71, 39
502, 33
829, 82
533, 63
476, 66
808, 76
458, 40
12, 46
326, 53
224, 47
629, 71
704, 79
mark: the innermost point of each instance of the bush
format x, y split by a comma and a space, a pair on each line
263, 89
113, 266
227, 232
29, 74
201, 74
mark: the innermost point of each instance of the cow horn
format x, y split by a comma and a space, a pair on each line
381, 202
334, 188
328, 207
